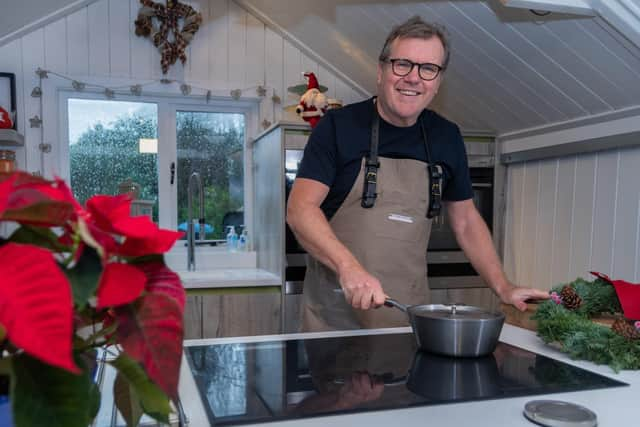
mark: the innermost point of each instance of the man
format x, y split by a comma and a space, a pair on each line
378, 250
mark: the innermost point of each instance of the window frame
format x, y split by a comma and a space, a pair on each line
168, 106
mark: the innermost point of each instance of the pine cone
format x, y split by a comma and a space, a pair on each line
570, 298
625, 329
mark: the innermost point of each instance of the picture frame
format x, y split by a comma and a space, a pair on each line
8, 95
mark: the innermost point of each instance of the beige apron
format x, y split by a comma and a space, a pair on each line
389, 240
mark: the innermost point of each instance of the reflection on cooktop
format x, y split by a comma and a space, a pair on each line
262, 382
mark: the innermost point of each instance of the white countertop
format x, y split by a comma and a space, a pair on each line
613, 406
228, 278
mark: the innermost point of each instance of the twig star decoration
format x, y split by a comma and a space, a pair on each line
162, 24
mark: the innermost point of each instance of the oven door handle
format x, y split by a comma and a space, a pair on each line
481, 185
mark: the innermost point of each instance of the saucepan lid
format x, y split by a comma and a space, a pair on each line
454, 311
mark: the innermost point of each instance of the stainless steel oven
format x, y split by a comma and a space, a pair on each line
448, 267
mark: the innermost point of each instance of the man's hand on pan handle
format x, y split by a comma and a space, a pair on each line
361, 289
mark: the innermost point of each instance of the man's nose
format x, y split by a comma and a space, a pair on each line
414, 74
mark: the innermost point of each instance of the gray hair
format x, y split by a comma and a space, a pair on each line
415, 27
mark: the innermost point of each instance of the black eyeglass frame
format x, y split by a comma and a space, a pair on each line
393, 61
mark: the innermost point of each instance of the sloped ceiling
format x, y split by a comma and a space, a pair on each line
17, 14
510, 69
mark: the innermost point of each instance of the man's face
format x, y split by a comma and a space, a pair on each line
402, 99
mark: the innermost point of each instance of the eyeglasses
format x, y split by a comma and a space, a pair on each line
402, 67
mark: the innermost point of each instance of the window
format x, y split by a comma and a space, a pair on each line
211, 144
108, 149
152, 145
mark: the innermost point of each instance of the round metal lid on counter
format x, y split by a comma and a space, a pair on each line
556, 413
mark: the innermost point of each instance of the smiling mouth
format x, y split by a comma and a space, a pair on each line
408, 92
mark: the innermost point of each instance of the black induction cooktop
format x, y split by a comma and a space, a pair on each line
270, 381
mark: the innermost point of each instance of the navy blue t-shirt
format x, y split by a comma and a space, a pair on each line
338, 143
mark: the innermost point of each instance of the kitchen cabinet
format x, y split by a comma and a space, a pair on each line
229, 312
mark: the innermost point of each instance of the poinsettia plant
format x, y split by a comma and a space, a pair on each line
80, 280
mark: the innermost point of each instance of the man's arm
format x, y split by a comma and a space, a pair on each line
311, 228
474, 238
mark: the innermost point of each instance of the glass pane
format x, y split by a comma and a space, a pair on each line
112, 149
211, 144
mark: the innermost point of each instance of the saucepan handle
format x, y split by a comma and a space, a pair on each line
390, 302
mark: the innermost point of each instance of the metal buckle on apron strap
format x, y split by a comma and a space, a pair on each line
435, 193
369, 193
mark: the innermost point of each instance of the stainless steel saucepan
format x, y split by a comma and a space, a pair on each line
453, 329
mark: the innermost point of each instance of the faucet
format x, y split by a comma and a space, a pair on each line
191, 232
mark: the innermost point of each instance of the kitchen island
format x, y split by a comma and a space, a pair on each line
614, 406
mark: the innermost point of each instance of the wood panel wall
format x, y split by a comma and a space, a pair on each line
232, 50
574, 214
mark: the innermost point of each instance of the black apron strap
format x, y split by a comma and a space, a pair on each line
372, 164
435, 178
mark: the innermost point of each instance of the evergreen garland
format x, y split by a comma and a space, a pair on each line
581, 338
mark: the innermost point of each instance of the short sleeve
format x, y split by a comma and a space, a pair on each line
458, 186
320, 154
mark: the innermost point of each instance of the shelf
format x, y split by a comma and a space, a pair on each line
11, 137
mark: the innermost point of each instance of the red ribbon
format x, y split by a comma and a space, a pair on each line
628, 294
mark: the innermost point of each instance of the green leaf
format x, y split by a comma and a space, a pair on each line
153, 400
84, 276
127, 401
39, 236
45, 396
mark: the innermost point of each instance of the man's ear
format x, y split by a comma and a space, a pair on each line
379, 74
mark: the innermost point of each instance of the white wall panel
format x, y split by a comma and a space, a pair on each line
292, 71
141, 48
32, 59
582, 216
99, 52
587, 218
120, 30
604, 211
197, 69
625, 257
563, 220
513, 233
55, 46
218, 43
237, 46
544, 224
254, 61
527, 247
78, 43
274, 56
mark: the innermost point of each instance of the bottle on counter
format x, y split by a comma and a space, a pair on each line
232, 239
243, 241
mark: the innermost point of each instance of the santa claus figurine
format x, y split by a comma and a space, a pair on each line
313, 103
5, 119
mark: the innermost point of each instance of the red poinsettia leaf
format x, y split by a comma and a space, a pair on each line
137, 227
150, 331
36, 307
162, 280
34, 200
157, 243
6, 184
120, 284
49, 213
105, 210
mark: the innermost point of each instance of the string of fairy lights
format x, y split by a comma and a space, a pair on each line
137, 89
